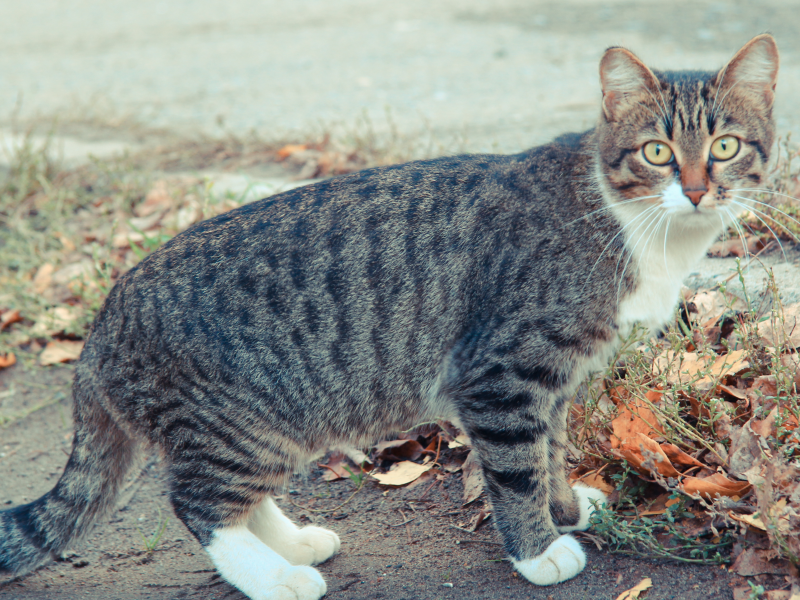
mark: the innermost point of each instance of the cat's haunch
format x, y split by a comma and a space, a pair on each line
482, 289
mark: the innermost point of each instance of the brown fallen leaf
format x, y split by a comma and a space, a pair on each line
735, 247
786, 333
7, 360
335, 467
43, 277
290, 149
753, 561
478, 519
9, 317
635, 591
402, 473
644, 453
679, 457
472, 477
702, 371
398, 450
157, 199
716, 484
635, 417
751, 520
595, 480
460, 441
55, 320
59, 351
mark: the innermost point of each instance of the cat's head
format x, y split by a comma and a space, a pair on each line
685, 141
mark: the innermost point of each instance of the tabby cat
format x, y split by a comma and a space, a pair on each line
481, 289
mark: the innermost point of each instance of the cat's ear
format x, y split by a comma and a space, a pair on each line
753, 71
624, 78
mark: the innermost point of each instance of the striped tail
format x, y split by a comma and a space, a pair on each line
102, 455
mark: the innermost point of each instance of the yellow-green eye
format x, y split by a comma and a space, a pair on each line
725, 148
657, 153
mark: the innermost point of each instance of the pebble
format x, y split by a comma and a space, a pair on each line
449, 585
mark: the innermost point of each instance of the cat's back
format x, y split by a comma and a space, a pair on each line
372, 271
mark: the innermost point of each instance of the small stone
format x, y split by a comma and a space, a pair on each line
448, 585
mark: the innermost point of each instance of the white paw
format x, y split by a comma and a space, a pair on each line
309, 546
585, 495
562, 560
260, 572
296, 583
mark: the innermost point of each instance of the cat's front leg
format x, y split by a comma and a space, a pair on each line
511, 436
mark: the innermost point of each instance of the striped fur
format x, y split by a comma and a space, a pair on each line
483, 288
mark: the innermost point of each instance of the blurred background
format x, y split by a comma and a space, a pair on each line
470, 75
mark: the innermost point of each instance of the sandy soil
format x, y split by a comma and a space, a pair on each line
380, 557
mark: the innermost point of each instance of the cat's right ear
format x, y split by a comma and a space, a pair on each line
624, 78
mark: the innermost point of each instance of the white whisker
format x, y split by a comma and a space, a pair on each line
632, 253
761, 190
739, 232
610, 206
666, 235
765, 214
620, 232
757, 212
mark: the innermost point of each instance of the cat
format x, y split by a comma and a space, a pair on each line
480, 288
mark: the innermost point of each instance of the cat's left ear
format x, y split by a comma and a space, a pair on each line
753, 71
624, 79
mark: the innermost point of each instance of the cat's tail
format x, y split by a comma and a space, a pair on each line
102, 456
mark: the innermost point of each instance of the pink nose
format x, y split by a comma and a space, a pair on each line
695, 195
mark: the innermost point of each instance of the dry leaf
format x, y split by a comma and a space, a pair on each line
791, 362
703, 372
43, 278
786, 333
473, 478
7, 360
751, 520
398, 450
55, 320
478, 519
679, 457
335, 467
595, 480
290, 149
59, 351
735, 247
8, 318
402, 473
635, 418
157, 199
644, 454
633, 593
710, 306
746, 449
753, 561
716, 484
461, 441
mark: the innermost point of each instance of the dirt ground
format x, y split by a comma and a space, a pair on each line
381, 557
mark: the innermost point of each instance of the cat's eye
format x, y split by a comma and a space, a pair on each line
725, 147
657, 153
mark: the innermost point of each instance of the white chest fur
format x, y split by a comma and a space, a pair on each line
665, 246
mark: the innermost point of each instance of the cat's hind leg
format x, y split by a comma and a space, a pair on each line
214, 495
258, 571
300, 546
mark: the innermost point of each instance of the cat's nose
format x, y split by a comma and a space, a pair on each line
695, 195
